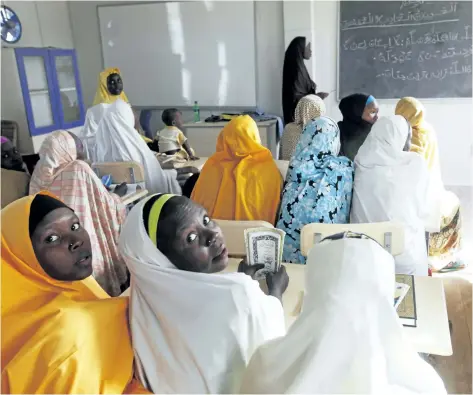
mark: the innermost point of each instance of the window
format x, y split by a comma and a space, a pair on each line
51, 90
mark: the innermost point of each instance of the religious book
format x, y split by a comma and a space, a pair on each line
264, 246
406, 309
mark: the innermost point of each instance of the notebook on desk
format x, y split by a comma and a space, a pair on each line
407, 310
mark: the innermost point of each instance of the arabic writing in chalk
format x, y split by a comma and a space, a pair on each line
447, 14
454, 69
412, 38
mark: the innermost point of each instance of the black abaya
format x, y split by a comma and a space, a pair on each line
296, 80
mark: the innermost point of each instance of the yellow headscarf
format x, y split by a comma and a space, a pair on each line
241, 180
424, 140
57, 337
103, 95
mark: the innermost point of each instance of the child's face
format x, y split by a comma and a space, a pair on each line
178, 122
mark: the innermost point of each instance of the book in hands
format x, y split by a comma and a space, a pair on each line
264, 246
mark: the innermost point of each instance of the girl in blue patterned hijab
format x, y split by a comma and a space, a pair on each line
318, 185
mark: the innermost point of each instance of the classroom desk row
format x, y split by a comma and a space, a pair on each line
432, 334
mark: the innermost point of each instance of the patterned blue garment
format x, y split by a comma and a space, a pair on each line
318, 185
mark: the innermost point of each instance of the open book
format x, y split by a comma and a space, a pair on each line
406, 307
264, 246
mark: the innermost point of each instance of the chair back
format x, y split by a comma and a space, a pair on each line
234, 234
389, 234
282, 166
129, 172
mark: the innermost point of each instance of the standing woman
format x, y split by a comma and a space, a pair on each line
296, 80
359, 112
110, 87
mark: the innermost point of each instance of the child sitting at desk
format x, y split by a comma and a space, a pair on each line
171, 139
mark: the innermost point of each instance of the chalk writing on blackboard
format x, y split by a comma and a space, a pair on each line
390, 43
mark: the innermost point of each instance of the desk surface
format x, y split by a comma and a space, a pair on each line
133, 197
432, 334
203, 124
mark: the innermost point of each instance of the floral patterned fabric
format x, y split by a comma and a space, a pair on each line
318, 185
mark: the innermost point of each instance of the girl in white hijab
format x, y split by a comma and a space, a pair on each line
348, 338
192, 331
89, 131
393, 184
118, 141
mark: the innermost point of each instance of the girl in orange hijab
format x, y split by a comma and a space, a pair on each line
61, 333
241, 180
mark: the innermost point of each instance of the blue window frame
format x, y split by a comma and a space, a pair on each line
51, 89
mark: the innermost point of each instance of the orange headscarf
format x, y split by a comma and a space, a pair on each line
103, 95
424, 140
241, 180
57, 337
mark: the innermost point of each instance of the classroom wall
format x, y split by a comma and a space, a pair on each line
452, 118
45, 24
269, 53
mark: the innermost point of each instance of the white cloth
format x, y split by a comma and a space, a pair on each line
192, 332
393, 185
348, 338
118, 141
89, 130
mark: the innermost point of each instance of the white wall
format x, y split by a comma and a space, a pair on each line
269, 53
45, 24
452, 118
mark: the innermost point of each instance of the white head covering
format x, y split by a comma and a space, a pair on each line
118, 141
192, 332
348, 338
393, 185
89, 130
384, 145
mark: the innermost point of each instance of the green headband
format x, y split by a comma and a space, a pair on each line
154, 214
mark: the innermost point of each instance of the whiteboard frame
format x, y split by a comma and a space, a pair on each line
205, 108
387, 101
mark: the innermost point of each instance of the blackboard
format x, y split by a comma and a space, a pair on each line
392, 49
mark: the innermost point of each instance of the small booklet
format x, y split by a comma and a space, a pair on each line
399, 293
406, 309
264, 246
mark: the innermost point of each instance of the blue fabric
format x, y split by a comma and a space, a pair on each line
369, 100
318, 185
145, 119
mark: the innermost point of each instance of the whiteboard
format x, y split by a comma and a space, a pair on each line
172, 54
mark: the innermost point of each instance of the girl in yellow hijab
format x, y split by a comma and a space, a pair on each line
241, 180
61, 333
443, 245
110, 87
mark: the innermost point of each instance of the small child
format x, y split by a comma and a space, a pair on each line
171, 140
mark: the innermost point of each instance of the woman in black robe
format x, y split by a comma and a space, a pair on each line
296, 80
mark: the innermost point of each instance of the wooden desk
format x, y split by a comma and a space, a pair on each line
202, 136
432, 334
199, 164
133, 197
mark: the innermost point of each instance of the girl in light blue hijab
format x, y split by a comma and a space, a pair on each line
318, 185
